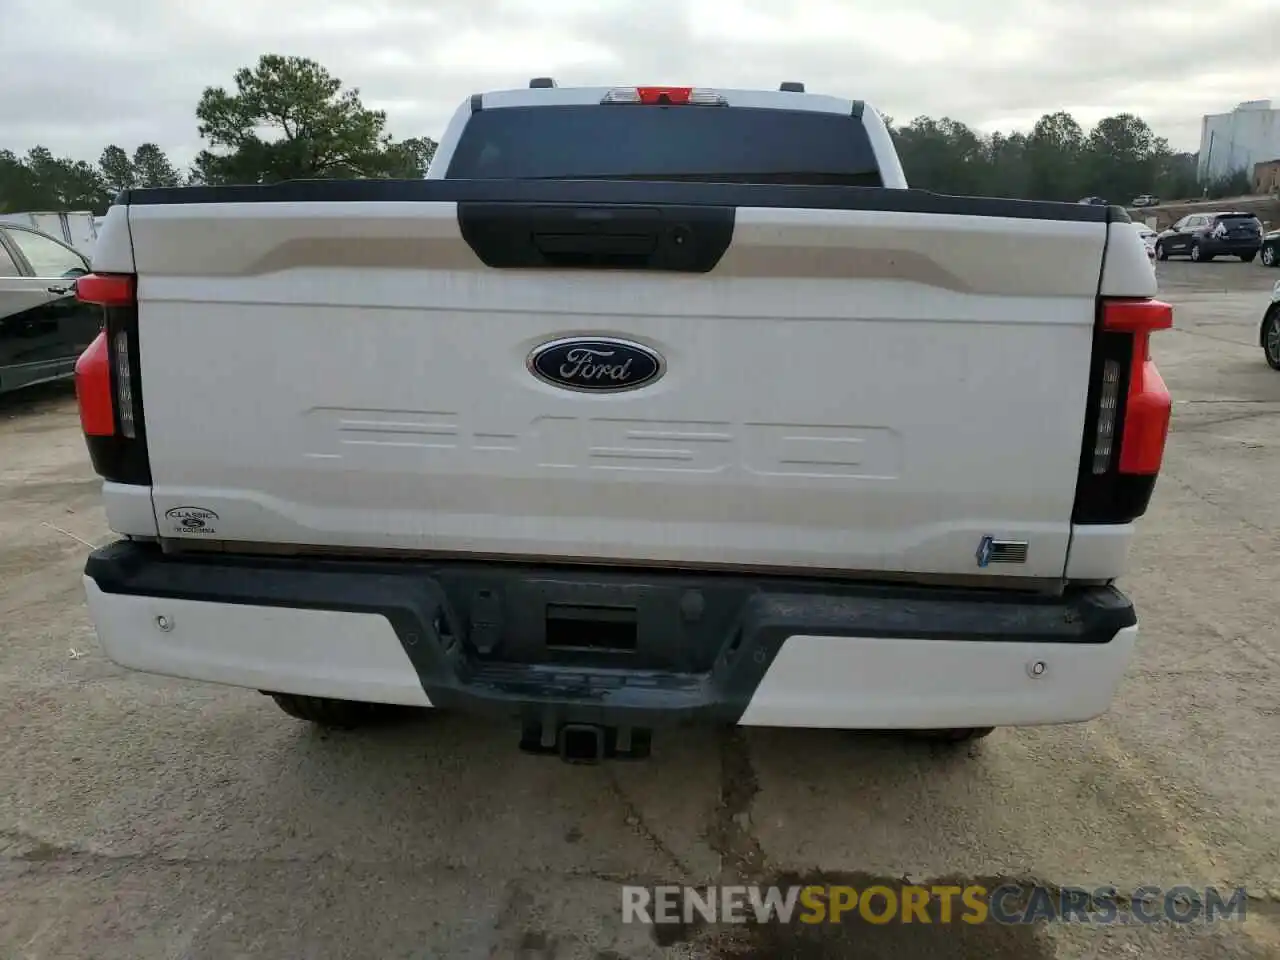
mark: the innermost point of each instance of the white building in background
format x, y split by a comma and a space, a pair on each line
1237, 140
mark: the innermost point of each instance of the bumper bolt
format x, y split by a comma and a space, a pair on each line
164, 623
1036, 669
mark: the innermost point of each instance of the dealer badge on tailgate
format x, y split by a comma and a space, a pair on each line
191, 520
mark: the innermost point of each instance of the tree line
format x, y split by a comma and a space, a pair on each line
289, 118
1119, 159
286, 118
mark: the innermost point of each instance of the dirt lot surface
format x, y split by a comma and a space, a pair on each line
146, 818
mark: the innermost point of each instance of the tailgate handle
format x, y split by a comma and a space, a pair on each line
683, 238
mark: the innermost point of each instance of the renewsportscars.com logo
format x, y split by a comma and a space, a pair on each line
934, 903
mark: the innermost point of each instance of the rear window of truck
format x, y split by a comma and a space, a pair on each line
642, 142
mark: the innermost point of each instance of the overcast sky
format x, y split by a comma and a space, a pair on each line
78, 74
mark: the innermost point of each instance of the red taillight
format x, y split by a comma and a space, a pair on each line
1147, 401
1136, 316
93, 389
107, 384
106, 289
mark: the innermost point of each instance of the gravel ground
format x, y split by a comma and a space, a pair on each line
146, 818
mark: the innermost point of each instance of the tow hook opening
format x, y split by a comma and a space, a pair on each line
585, 743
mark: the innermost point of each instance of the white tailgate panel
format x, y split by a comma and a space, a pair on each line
862, 391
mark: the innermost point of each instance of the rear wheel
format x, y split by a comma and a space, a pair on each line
337, 714
1248, 257
1161, 252
1269, 255
1271, 338
1197, 255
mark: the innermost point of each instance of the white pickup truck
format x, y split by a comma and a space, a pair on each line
648, 406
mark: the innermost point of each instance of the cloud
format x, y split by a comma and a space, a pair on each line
128, 75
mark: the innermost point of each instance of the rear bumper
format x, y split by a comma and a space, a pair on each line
1232, 248
723, 649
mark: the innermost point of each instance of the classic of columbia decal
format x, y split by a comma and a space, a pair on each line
195, 520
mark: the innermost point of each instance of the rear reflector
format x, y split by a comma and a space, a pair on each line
93, 389
665, 96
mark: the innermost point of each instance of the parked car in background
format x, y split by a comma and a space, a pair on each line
1148, 239
1146, 200
1271, 249
1203, 236
43, 327
1269, 334
1093, 201
76, 228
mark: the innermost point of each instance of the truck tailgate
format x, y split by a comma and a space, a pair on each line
862, 390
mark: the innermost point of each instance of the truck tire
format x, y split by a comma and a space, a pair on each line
336, 714
1248, 257
1271, 338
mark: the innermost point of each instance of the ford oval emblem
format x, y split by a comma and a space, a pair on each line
596, 364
